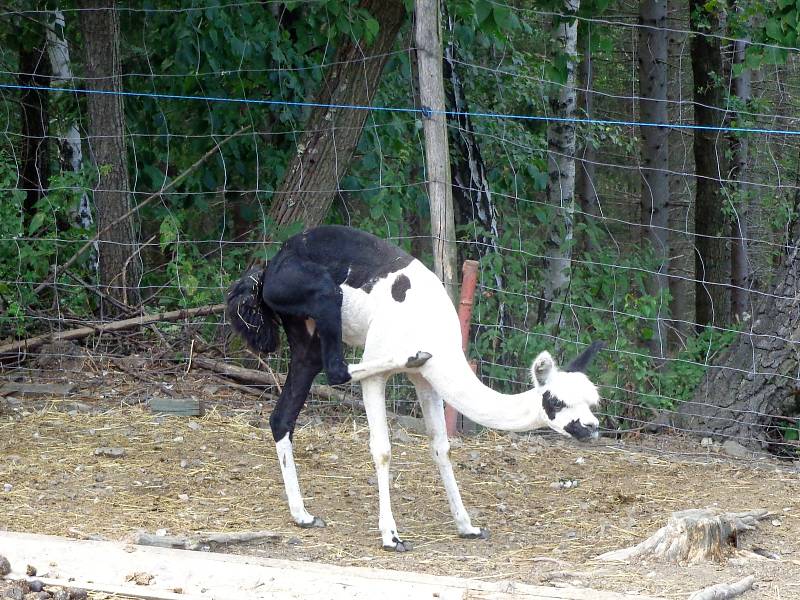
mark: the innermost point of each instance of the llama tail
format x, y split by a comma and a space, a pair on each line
249, 316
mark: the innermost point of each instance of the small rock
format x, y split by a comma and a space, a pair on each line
30, 571
195, 426
401, 436
7, 487
294, 541
735, 449
43, 595
474, 455
5, 566
110, 452
36, 586
776, 523
183, 497
61, 595
14, 593
580, 460
184, 463
706, 442
78, 594
178, 439
161, 532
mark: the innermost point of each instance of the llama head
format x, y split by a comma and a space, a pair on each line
567, 395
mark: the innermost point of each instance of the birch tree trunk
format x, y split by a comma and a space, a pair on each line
712, 300
561, 176
740, 262
69, 142
330, 136
655, 150
120, 267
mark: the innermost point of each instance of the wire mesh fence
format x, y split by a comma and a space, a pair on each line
219, 98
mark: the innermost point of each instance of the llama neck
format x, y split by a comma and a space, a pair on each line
461, 389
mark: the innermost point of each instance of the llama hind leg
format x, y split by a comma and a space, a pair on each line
433, 412
363, 370
374, 391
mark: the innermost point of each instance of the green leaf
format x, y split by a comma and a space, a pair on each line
36, 222
774, 29
371, 26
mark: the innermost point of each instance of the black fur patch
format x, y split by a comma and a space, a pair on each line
399, 288
349, 255
551, 405
578, 431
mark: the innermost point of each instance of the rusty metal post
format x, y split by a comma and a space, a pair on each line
469, 279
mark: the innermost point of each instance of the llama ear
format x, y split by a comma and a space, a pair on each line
582, 362
542, 368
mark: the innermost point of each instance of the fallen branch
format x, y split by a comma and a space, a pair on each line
692, 536
724, 591
261, 378
29, 344
205, 541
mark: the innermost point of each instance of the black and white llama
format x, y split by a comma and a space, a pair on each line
333, 284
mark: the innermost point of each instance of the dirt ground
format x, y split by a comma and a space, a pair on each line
219, 473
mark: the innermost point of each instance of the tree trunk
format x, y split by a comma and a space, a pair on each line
756, 380
740, 262
712, 300
561, 176
655, 151
331, 134
120, 267
35, 168
69, 144
471, 190
681, 265
70, 153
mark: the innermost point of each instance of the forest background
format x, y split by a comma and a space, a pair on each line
623, 171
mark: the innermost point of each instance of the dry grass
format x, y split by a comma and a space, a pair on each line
218, 473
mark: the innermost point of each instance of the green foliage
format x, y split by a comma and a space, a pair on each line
32, 243
780, 30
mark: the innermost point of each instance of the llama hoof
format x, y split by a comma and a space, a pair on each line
317, 522
419, 359
399, 546
483, 534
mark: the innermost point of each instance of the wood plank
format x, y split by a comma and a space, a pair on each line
103, 566
185, 407
36, 389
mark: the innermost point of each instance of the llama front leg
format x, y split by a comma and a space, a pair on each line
363, 370
433, 413
374, 390
297, 508
305, 364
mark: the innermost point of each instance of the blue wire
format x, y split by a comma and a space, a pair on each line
424, 111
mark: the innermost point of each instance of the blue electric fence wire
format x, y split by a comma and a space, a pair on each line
423, 111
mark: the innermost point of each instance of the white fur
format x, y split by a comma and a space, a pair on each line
286, 459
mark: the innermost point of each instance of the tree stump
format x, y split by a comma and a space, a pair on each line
692, 536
